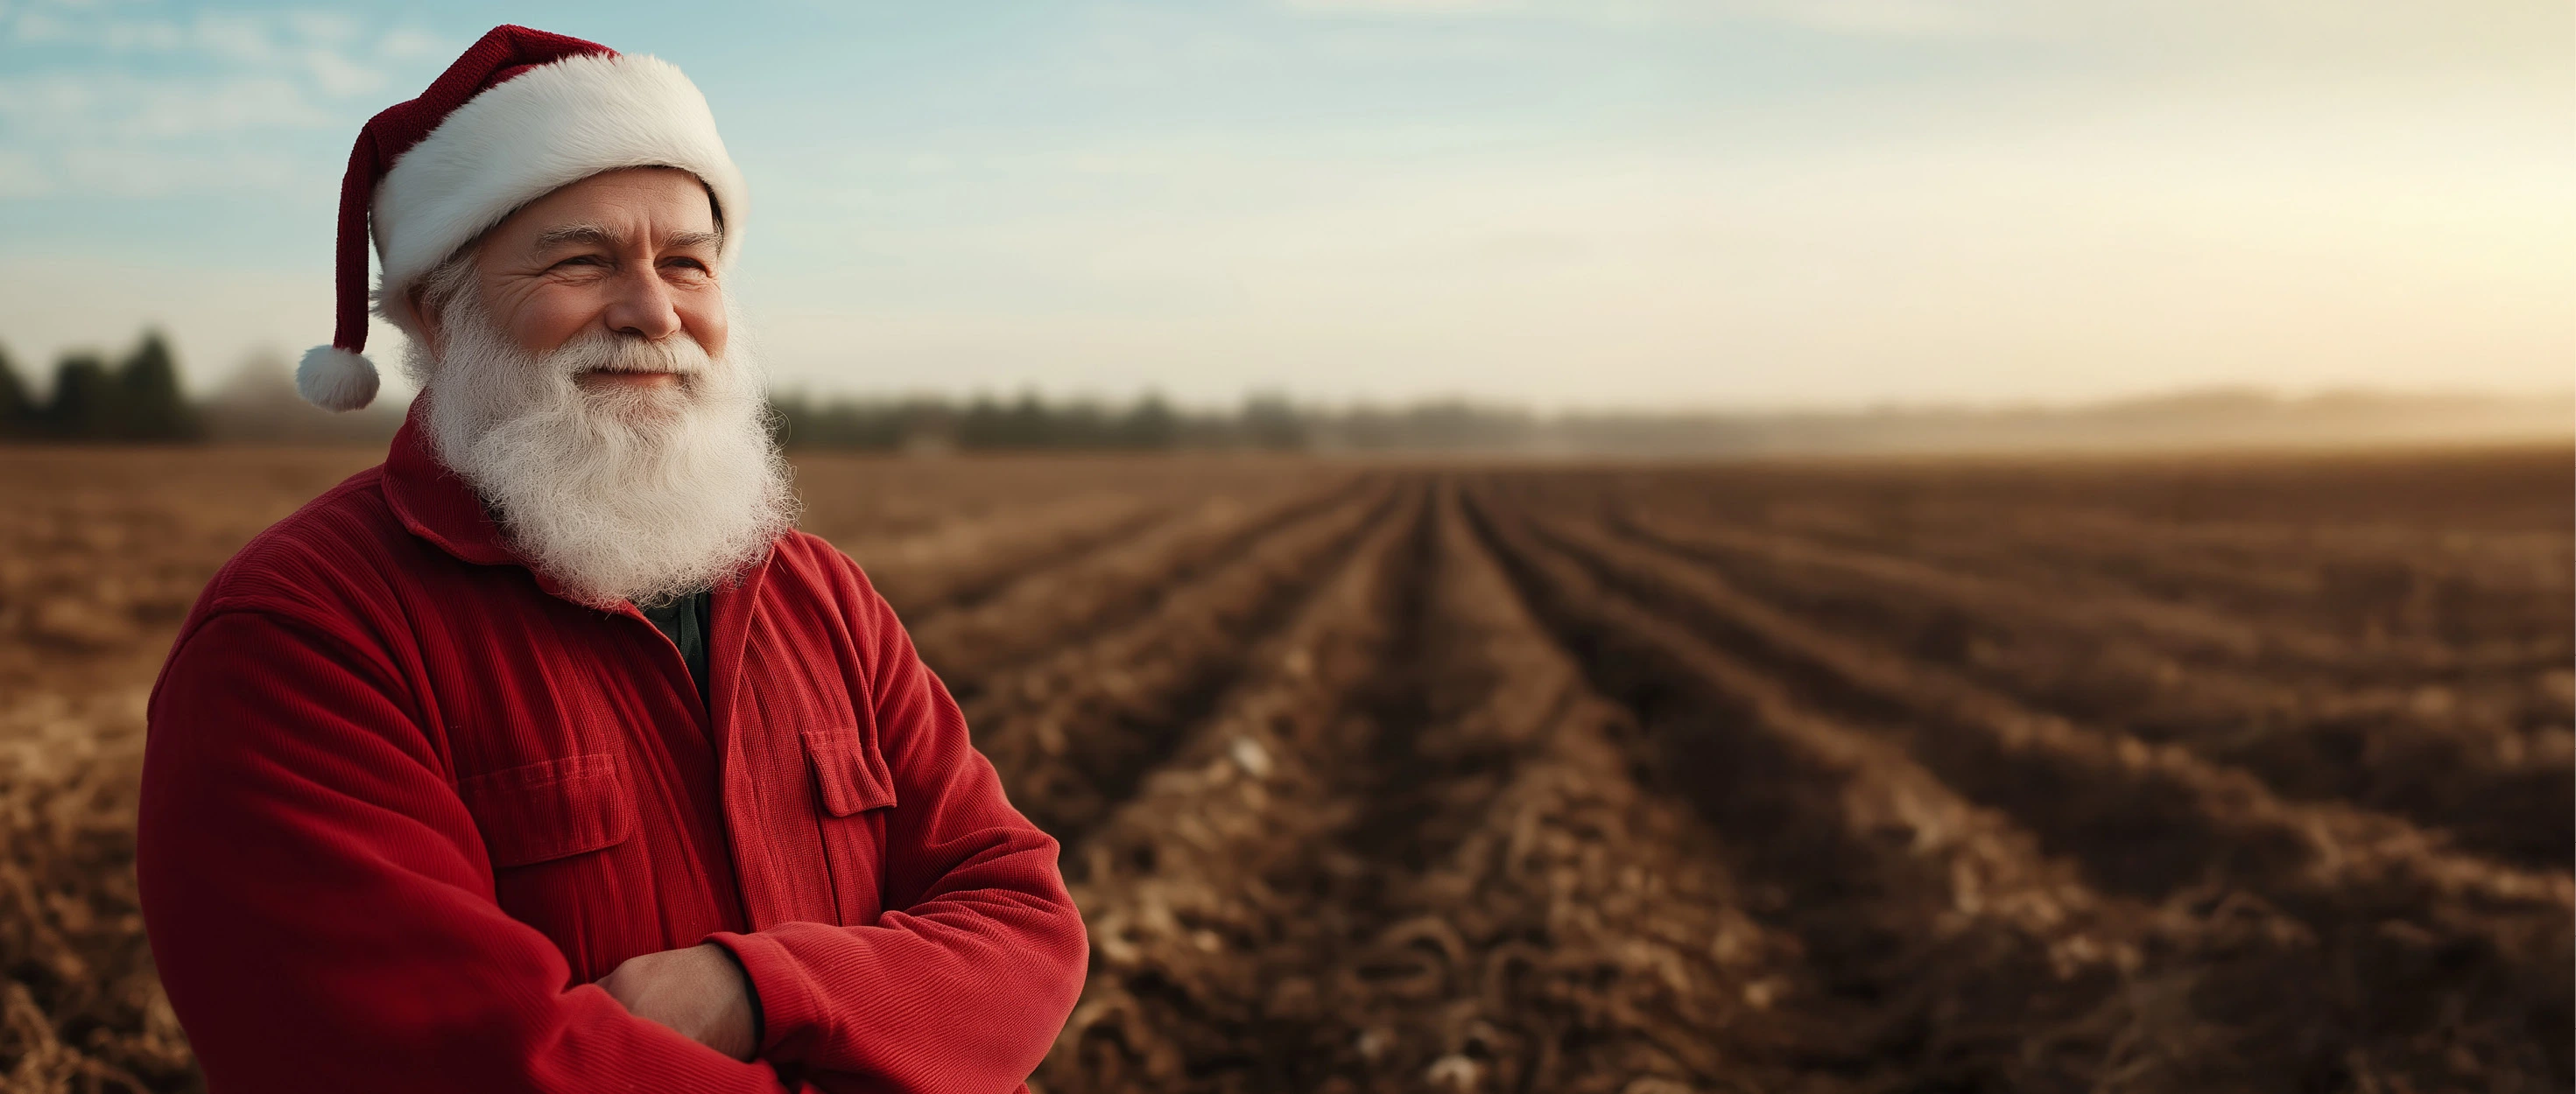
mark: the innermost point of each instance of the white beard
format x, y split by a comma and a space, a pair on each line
621, 494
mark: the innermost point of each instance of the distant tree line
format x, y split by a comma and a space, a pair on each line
1263, 421
1031, 422
2197, 418
137, 398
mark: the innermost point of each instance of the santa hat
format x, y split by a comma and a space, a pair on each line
521, 114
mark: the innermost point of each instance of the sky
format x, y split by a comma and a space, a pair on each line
1560, 204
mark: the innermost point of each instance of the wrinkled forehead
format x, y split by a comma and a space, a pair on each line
644, 208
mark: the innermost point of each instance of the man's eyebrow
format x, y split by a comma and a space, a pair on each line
561, 235
596, 236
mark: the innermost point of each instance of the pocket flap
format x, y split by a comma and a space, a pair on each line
849, 776
548, 810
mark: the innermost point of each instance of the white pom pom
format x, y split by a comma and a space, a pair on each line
336, 379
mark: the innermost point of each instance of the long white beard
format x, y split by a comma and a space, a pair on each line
618, 494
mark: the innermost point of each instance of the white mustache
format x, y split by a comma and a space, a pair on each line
607, 351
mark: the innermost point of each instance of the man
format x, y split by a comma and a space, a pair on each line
547, 755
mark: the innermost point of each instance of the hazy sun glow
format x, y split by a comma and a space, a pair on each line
1636, 204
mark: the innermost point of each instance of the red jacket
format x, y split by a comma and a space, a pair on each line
402, 803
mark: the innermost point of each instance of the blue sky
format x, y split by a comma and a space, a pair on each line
1622, 203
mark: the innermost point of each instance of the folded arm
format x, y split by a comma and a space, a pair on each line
964, 981
318, 900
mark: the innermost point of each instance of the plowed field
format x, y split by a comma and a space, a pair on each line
2247, 774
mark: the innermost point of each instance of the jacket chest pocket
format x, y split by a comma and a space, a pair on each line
852, 790
549, 810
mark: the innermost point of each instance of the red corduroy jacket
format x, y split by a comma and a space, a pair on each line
402, 803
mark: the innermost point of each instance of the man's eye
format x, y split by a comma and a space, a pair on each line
582, 260
687, 263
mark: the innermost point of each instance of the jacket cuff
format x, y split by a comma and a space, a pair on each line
782, 1000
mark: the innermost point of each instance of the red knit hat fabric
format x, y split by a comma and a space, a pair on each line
521, 113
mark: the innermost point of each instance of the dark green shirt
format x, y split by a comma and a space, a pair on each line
685, 622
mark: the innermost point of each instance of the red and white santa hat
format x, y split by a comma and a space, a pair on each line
521, 114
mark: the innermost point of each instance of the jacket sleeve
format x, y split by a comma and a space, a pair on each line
965, 980
320, 905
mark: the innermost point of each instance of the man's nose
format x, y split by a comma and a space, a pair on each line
641, 305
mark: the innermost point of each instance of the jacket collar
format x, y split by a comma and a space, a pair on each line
438, 505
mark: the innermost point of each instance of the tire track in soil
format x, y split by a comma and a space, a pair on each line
968, 644
2451, 948
2498, 788
1071, 732
1989, 965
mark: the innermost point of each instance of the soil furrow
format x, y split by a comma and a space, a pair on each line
2432, 756
1208, 893
1538, 921
1071, 732
2471, 576
957, 566
1064, 604
2210, 989
2405, 609
1958, 944
2155, 822
2103, 775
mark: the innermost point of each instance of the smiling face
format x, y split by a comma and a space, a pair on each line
627, 254
577, 374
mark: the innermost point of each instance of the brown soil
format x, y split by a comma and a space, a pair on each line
2245, 774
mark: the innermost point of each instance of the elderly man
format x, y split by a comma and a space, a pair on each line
548, 755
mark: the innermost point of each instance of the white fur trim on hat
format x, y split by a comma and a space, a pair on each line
548, 127
335, 379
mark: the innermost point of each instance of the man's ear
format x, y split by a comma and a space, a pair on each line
424, 316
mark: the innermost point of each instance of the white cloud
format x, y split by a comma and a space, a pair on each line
143, 35
2084, 254
237, 38
140, 108
86, 109
2400, 32
339, 76
37, 27
404, 44
154, 172
323, 26
1890, 18
1435, 7
22, 176
1852, 16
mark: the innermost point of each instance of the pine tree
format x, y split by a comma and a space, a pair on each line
1271, 421
151, 407
1150, 425
1028, 424
17, 411
84, 402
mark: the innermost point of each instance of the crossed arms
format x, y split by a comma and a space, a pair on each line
322, 919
